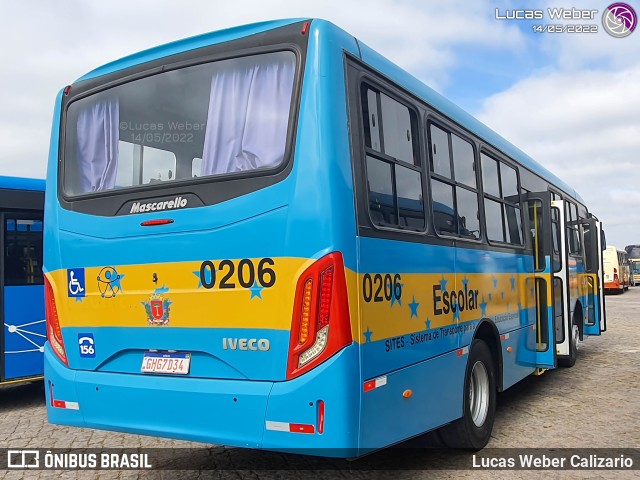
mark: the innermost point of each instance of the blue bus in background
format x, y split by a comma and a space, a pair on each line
272, 237
22, 299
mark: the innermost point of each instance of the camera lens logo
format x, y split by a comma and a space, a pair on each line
619, 20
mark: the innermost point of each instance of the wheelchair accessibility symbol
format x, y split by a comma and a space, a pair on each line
75, 282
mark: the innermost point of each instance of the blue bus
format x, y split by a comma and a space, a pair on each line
21, 281
272, 237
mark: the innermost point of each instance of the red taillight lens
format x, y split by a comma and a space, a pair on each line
321, 325
54, 332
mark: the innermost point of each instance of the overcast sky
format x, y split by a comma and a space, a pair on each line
572, 101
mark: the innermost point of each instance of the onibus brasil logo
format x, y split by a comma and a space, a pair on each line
619, 20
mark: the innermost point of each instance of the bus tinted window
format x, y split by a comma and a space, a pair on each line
493, 215
156, 122
490, 181
443, 211
372, 122
410, 205
394, 176
572, 231
503, 190
155, 165
467, 202
440, 162
454, 214
396, 128
381, 205
514, 224
23, 252
509, 182
463, 161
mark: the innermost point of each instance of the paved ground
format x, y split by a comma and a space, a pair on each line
594, 404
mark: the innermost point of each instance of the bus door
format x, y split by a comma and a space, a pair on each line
539, 206
593, 235
559, 263
21, 284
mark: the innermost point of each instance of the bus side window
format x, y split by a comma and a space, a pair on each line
453, 184
23, 252
501, 201
393, 167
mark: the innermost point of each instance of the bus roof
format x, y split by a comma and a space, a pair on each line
21, 183
369, 56
186, 44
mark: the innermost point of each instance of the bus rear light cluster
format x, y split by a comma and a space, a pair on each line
320, 326
54, 332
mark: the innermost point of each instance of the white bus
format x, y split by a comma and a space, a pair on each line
617, 272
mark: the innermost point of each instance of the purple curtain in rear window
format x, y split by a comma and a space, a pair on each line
248, 114
98, 136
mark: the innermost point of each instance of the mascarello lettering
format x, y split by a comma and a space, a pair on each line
140, 207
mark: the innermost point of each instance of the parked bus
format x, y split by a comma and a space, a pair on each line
634, 257
617, 270
273, 237
21, 281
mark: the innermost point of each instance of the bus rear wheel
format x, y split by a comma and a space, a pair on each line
570, 360
473, 430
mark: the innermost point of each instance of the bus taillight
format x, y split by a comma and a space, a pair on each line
320, 326
54, 333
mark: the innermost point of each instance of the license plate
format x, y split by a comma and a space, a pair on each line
166, 362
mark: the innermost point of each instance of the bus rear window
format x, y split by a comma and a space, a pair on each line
231, 115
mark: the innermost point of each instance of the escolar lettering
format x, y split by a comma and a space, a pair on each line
177, 202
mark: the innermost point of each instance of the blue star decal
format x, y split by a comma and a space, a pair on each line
513, 284
483, 307
79, 299
465, 282
495, 282
502, 295
443, 284
428, 324
256, 291
399, 299
207, 276
456, 314
490, 297
367, 335
414, 307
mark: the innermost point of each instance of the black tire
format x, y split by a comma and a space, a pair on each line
569, 361
464, 432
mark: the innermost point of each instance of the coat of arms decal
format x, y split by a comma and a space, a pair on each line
157, 309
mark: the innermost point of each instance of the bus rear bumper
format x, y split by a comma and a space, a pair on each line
314, 414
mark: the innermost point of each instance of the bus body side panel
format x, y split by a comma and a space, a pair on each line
24, 331
506, 299
326, 400
420, 341
404, 344
412, 400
